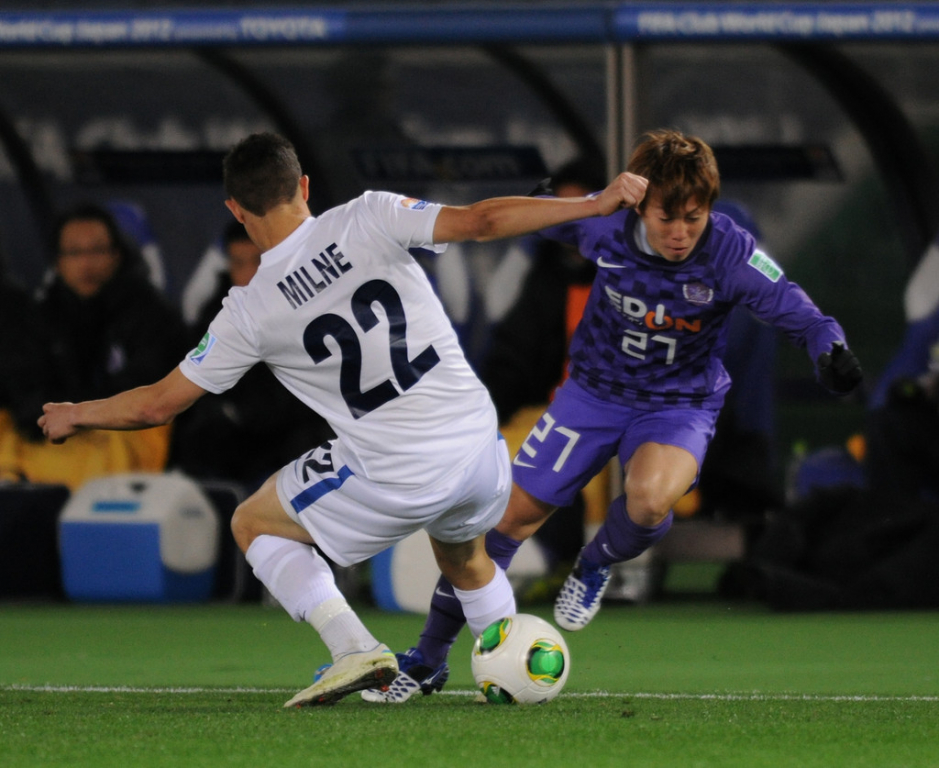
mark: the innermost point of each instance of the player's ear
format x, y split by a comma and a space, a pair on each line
235, 210
305, 187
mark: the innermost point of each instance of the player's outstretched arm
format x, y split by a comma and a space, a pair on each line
149, 406
500, 217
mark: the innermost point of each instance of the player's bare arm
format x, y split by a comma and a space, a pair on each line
501, 217
149, 406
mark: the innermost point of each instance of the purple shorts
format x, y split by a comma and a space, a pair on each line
579, 434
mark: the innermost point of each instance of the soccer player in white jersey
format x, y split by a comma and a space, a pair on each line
348, 322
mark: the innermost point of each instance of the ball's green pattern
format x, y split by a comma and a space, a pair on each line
494, 635
545, 662
496, 694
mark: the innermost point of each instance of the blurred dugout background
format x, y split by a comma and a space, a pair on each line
829, 141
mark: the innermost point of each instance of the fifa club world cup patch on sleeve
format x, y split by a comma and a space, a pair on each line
763, 263
413, 203
199, 353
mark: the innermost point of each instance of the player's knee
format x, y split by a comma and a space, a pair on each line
243, 527
647, 504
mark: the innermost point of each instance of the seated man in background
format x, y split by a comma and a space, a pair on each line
109, 330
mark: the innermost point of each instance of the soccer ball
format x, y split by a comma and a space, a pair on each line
520, 659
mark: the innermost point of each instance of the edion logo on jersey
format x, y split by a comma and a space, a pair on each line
199, 353
656, 318
413, 203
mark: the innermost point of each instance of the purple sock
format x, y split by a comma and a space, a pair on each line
444, 622
445, 618
501, 548
619, 538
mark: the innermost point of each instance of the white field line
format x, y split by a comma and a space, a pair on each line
586, 695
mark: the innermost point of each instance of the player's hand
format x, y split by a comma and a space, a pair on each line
55, 422
839, 370
625, 191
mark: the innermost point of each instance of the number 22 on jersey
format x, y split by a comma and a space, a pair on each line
407, 371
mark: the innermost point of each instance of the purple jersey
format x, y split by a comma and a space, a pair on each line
654, 331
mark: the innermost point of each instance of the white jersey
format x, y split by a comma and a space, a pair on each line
348, 322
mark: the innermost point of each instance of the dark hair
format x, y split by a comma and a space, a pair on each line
679, 168
92, 212
261, 171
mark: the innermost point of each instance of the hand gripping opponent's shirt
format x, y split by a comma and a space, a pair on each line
653, 333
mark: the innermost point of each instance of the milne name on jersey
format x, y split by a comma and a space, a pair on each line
304, 283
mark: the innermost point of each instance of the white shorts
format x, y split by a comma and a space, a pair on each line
352, 519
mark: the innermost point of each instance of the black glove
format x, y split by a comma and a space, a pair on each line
839, 370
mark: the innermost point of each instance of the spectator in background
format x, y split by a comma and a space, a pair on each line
113, 330
242, 259
247, 433
110, 329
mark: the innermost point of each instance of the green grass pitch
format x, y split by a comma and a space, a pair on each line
677, 683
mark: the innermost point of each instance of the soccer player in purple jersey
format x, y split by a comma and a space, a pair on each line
646, 380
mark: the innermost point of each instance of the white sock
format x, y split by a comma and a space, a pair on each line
341, 629
484, 605
302, 582
293, 573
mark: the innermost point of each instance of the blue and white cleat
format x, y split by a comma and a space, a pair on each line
414, 676
353, 672
579, 599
